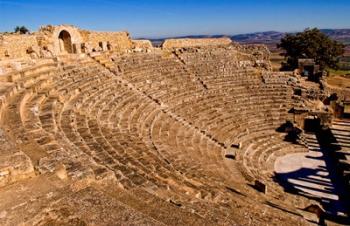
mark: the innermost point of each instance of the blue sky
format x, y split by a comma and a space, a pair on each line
161, 18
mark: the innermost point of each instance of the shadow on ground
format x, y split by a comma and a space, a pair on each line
325, 182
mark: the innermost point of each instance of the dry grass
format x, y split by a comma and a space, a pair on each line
338, 80
276, 60
344, 73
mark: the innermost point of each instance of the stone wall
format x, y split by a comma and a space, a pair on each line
142, 44
192, 42
258, 50
46, 43
51, 34
119, 41
16, 45
257, 53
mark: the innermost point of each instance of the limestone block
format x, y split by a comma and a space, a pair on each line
61, 172
15, 167
17, 66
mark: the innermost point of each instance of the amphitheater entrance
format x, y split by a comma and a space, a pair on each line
65, 42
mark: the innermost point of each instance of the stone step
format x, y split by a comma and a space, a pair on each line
167, 212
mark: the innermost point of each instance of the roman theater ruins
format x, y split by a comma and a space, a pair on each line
99, 129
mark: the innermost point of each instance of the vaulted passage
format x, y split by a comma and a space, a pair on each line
65, 42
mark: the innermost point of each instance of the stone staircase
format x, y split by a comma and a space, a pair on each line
341, 132
153, 131
311, 142
104, 59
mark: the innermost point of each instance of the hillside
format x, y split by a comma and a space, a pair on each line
342, 35
268, 37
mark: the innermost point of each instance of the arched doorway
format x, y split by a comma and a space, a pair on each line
65, 42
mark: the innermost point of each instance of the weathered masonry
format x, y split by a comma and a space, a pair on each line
57, 40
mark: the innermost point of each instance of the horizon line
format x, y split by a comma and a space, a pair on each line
229, 35
182, 35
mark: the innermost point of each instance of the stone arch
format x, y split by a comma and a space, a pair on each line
63, 31
65, 42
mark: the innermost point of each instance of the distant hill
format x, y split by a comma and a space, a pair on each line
269, 37
342, 35
259, 37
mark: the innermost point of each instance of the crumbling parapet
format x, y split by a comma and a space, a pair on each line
16, 45
142, 45
116, 41
258, 53
52, 41
195, 42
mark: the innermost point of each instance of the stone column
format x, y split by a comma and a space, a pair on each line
104, 46
77, 48
61, 43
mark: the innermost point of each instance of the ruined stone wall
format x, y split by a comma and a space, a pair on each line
16, 45
200, 42
46, 40
142, 44
257, 53
258, 50
224, 60
120, 41
48, 36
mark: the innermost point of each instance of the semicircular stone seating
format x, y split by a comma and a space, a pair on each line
235, 106
154, 125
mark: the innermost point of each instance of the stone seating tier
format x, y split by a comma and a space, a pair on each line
152, 126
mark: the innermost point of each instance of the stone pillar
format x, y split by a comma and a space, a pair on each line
61, 43
77, 48
86, 48
103, 46
109, 46
83, 48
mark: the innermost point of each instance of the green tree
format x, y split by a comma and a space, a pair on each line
311, 43
21, 29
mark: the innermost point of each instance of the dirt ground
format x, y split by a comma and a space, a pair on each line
339, 81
